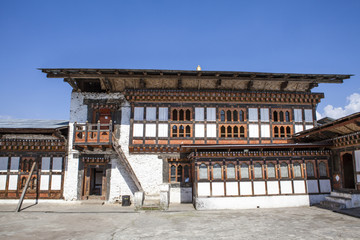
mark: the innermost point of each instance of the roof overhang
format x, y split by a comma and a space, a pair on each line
117, 80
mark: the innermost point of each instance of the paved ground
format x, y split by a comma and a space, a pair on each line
75, 221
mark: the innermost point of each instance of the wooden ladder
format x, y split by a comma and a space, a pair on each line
124, 160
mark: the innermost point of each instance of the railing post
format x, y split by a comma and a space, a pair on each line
86, 131
110, 131
98, 131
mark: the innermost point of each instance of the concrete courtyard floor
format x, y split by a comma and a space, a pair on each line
76, 221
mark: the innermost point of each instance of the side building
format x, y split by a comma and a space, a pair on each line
25, 142
220, 139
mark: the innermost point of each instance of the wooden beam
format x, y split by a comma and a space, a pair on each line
25, 188
72, 83
179, 83
249, 85
284, 85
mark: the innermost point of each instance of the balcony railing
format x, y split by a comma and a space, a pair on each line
93, 134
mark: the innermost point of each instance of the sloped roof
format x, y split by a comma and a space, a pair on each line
32, 124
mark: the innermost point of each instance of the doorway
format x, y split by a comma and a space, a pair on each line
94, 184
348, 171
96, 180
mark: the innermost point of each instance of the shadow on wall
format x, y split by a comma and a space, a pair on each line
131, 185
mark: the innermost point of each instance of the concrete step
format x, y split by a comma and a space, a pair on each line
341, 200
340, 194
332, 205
92, 202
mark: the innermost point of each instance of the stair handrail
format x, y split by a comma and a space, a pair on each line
124, 159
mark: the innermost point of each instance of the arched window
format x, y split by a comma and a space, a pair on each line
173, 173
276, 132
284, 170
235, 115
217, 171
288, 131
275, 116
310, 169
257, 170
281, 116
322, 169
228, 116
222, 115
230, 171
229, 131
203, 172
23, 182
297, 170
188, 131
187, 173
236, 132
282, 132
174, 115
242, 131
174, 131
271, 170
181, 115
287, 116
188, 115
179, 173
241, 116
222, 131
244, 171
181, 131
33, 183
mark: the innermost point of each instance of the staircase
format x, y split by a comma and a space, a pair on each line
124, 160
151, 202
341, 199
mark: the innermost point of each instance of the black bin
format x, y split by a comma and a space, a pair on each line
125, 200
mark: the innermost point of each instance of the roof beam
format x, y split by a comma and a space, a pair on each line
73, 84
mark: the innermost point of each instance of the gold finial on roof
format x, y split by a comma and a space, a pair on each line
198, 68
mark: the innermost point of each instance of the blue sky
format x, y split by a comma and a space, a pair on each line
270, 36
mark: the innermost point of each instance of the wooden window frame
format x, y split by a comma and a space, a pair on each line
208, 172
288, 169
327, 169
249, 170
276, 170
284, 110
221, 171
235, 169
232, 112
184, 109
313, 162
178, 130
301, 169
262, 170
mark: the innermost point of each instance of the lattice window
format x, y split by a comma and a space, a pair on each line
284, 170
230, 171
217, 172
244, 171
310, 172
271, 169
203, 172
322, 169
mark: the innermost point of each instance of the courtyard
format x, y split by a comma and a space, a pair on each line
109, 221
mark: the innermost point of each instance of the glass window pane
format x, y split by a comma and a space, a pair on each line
199, 114
244, 170
297, 170
3, 164
203, 172
253, 114
257, 171
150, 113
308, 115
298, 115
264, 114
284, 170
322, 169
230, 171
173, 173
271, 170
217, 171
139, 113
163, 114
310, 169
211, 114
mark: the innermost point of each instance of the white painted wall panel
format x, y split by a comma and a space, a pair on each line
138, 130
45, 164
199, 114
13, 181
232, 189
357, 160
44, 182
204, 189
253, 114
57, 164
245, 188
55, 182
273, 187
285, 187
163, 114
265, 130
312, 186
150, 113
199, 130
259, 188
325, 186
14, 165
218, 189
298, 128
299, 186
211, 130
2, 182
358, 178
4, 164
150, 130
211, 114
307, 126
253, 130
139, 113
163, 130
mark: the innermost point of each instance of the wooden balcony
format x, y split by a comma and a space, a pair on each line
93, 135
